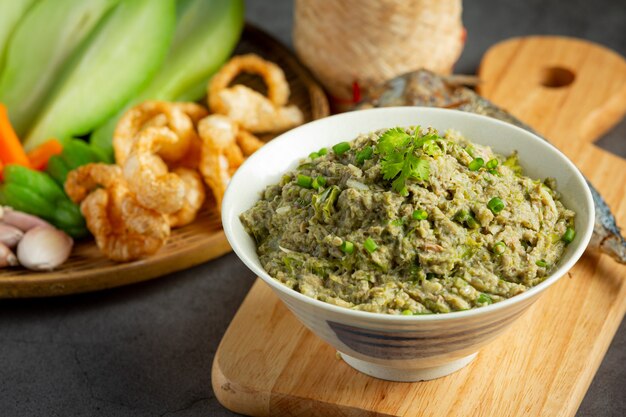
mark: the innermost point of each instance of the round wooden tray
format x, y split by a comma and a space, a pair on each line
88, 270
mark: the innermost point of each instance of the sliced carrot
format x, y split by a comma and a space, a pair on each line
39, 156
11, 150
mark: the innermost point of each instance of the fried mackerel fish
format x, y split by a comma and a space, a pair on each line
406, 221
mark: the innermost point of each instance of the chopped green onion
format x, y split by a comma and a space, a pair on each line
397, 222
407, 313
347, 247
420, 214
465, 217
541, 263
304, 181
494, 172
569, 235
364, 154
495, 205
370, 245
341, 148
285, 179
499, 248
476, 164
322, 151
314, 155
318, 182
492, 163
461, 215
484, 299
471, 222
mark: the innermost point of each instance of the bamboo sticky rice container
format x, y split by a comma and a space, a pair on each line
351, 45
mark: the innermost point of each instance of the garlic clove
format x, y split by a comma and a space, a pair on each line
7, 257
21, 220
10, 235
44, 248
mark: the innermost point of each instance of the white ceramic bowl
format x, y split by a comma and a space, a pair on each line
404, 348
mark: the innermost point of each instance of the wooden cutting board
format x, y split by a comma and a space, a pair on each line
571, 91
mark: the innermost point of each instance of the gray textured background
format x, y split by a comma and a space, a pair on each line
146, 350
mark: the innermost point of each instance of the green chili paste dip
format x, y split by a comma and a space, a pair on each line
408, 221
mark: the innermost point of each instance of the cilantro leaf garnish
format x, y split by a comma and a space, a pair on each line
392, 139
399, 156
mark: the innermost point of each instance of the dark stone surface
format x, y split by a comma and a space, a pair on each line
146, 349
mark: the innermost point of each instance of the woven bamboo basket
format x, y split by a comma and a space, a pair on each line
352, 45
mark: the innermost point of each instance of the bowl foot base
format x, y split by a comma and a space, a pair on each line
406, 374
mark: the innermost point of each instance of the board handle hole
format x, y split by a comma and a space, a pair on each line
557, 77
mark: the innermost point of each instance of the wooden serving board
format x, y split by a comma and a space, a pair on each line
88, 270
268, 364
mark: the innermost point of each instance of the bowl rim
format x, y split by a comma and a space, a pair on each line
582, 241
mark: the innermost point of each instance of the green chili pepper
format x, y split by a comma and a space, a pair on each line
37, 193
102, 155
76, 231
39, 182
77, 153
27, 200
58, 169
68, 214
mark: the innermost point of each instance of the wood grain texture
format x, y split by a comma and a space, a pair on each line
88, 270
270, 365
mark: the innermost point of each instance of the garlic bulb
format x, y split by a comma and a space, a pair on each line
44, 248
7, 258
10, 235
22, 221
